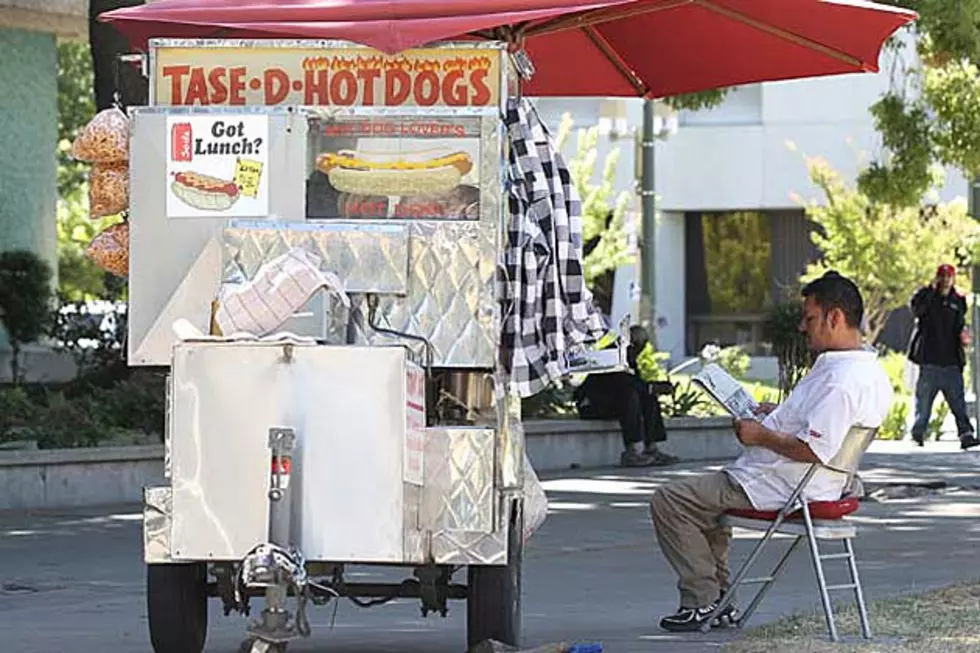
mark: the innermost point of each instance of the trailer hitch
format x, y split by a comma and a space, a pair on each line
276, 566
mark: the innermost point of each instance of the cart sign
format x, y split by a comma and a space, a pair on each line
415, 424
216, 166
310, 76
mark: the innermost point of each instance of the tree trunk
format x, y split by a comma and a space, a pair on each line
106, 42
15, 363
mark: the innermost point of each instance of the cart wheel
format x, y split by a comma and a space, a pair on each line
177, 606
493, 606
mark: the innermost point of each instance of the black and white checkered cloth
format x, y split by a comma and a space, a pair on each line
547, 310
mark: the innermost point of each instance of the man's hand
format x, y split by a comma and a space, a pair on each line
764, 408
753, 434
750, 432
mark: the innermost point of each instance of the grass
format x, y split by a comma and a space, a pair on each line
941, 621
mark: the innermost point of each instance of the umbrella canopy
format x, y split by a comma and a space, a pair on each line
649, 48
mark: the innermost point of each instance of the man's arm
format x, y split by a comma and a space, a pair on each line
920, 301
753, 434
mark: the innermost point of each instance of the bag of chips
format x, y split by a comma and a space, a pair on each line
110, 249
108, 189
105, 139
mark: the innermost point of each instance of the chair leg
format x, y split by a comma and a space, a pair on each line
729, 596
858, 591
828, 608
757, 599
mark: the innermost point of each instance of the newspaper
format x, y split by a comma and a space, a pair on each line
727, 391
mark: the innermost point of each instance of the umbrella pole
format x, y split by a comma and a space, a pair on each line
648, 204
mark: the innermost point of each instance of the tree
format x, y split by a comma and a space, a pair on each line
76, 106
603, 215
930, 117
25, 301
888, 250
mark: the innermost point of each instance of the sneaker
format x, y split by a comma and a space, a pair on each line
687, 620
634, 459
661, 458
968, 442
727, 618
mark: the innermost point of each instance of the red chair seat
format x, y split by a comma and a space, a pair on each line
825, 510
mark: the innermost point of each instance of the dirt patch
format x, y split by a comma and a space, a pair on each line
942, 621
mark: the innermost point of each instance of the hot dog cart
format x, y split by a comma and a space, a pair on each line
315, 239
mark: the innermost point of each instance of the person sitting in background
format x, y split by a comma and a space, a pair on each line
631, 399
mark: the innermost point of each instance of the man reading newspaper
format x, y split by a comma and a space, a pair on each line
846, 387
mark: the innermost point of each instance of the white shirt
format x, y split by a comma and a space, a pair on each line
844, 389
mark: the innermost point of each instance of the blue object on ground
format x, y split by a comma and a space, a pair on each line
592, 647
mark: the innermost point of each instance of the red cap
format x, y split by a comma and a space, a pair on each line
946, 270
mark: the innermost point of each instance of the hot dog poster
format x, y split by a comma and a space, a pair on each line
217, 166
416, 167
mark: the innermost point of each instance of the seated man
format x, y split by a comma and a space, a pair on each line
846, 387
631, 400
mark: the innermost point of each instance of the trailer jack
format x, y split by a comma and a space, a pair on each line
275, 566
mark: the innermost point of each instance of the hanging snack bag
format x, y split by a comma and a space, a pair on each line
105, 139
108, 189
110, 249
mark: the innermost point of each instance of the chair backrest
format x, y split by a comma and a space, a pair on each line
856, 442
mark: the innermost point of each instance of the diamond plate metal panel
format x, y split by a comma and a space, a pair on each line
510, 442
458, 489
157, 511
469, 548
368, 258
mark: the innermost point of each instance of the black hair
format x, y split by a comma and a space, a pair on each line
833, 290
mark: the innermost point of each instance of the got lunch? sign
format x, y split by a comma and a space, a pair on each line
217, 166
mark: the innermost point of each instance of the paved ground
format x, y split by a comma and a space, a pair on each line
73, 582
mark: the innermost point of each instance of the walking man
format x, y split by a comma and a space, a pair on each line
937, 347
846, 387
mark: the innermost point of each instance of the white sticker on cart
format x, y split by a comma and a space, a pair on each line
217, 166
415, 424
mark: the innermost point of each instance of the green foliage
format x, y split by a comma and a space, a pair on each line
888, 250
689, 400
894, 364
934, 116
940, 411
76, 106
26, 309
79, 278
697, 101
16, 410
895, 423
598, 202
737, 253
789, 346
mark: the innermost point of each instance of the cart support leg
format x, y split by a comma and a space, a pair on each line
277, 567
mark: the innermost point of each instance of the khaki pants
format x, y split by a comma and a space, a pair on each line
685, 517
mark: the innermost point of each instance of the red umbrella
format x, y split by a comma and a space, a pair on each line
650, 48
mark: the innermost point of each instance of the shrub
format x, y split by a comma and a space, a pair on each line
25, 301
895, 423
781, 330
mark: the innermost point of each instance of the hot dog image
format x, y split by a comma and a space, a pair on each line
375, 174
204, 192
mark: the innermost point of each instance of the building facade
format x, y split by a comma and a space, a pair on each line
732, 236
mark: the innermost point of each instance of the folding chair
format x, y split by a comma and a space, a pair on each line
818, 520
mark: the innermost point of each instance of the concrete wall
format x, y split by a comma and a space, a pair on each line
69, 478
